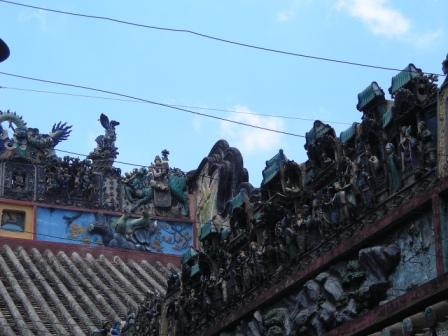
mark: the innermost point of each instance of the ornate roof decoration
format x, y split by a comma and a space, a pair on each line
318, 131
33, 171
273, 167
105, 153
386, 114
372, 94
207, 229
222, 169
28, 143
349, 133
301, 213
404, 77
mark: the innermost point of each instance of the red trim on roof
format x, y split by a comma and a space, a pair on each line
415, 300
96, 251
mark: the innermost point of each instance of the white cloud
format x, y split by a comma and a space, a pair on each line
251, 140
425, 40
286, 15
291, 11
382, 19
378, 16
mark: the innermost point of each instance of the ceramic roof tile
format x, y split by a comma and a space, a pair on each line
60, 293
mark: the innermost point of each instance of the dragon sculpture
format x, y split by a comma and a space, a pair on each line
27, 143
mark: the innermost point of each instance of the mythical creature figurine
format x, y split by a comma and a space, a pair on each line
28, 143
105, 153
159, 184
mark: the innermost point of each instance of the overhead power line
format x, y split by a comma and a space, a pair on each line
176, 105
151, 102
116, 161
211, 37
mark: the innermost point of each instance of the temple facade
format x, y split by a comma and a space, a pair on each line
82, 245
350, 242
353, 241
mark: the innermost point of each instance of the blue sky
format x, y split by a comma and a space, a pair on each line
187, 70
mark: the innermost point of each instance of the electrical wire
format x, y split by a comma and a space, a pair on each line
151, 102
176, 105
85, 155
124, 163
211, 37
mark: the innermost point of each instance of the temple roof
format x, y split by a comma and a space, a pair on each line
55, 292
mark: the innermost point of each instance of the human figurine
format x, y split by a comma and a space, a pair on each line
426, 143
222, 284
246, 274
369, 163
299, 226
19, 182
318, 217
165, 154
363, 186
173, 282
259, 267
341, 202
159, 174
291, 232
410, 158
393, 172
208, 295
281, 241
